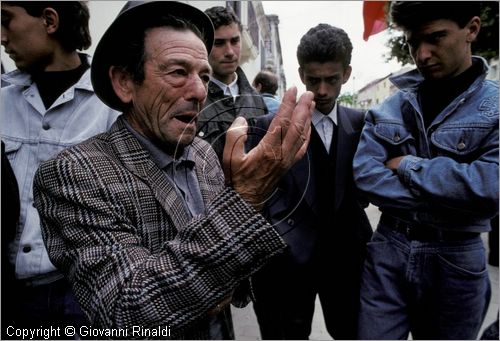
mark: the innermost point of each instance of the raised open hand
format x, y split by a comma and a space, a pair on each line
254, 175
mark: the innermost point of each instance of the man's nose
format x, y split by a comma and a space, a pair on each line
197, 89
322, 88
228, 50
423, 52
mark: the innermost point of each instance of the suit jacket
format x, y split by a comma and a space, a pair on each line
118, 230
294, 208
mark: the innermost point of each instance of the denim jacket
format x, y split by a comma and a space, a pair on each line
449, 177
33, 134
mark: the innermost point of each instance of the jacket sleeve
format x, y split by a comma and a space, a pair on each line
379, 184
99, 244
440, 182
466, 187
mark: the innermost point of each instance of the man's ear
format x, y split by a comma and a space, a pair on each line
473, 28
50, 20
347, 74
122, 83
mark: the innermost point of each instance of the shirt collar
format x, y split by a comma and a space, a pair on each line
161, 158
318, 116
232, 88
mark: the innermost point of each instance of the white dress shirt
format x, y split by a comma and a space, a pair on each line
324, 125
228, 89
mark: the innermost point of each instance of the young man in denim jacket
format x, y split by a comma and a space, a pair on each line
428, 157
49, 105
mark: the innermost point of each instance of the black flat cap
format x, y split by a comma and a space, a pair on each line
110, 47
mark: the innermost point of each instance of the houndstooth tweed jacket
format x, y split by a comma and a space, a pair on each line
118, 230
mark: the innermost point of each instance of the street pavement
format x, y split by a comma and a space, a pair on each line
246, 327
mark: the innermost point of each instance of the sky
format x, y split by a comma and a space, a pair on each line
296, 18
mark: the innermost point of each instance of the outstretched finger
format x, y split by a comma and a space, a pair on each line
299, 131
281, 120
234, 149
303, 149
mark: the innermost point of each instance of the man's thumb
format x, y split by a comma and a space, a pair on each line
236, 137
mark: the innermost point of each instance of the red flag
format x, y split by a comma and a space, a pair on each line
374, 17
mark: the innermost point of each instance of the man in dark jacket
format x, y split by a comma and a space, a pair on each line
230, 94
316, 209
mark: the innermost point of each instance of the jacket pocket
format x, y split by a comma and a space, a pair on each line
398, 137
460, 141
11, 148
393, 133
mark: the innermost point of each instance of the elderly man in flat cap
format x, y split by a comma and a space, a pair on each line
152, 234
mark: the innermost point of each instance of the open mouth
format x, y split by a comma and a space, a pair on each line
185, 118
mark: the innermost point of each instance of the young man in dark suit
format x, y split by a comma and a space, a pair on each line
316, 208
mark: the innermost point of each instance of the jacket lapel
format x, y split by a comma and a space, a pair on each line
344, 153
138, 161
303, 175
208, 171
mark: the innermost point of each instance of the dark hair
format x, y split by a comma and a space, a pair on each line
325, 43
222, 16
268, 82
411, 15
73, 32
133, 54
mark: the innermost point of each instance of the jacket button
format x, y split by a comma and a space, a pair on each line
46, 126
201, 134
26, 249
397, 138
461, 146
291, 222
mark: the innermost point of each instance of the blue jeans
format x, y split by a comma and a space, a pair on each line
433, 289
